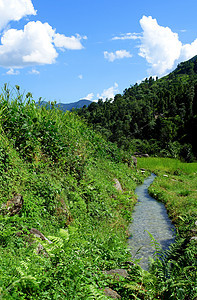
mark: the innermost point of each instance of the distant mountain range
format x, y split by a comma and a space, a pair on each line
70, 106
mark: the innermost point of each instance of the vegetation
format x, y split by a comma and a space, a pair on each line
153, 117
175, 186
64, 175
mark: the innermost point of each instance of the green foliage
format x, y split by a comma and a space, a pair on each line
174, 271
159, 113
65, 173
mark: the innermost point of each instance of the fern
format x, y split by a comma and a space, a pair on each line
64, 234
24, 279
55, 247
158, 250
94, 294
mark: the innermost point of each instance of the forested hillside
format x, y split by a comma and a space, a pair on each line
157, 116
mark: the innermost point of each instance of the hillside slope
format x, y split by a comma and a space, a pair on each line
157, 116
188, 67
57, 184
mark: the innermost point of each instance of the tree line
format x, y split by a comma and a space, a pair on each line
157, 116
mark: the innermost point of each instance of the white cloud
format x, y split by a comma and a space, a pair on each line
14, 10
161, 47
188, 50
109, 93
11, 71
119, 54
89, 97
35, 45
72, 43
27, 47
127, 36
106, 94
34, 72
80, 76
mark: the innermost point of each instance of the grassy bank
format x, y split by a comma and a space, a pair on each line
176, 187
64, 173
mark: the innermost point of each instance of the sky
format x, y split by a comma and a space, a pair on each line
67, 50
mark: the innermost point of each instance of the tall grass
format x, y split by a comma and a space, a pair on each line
169, 165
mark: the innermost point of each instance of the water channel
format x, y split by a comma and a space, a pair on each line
149, 215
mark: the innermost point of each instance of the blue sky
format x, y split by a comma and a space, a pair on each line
66, 50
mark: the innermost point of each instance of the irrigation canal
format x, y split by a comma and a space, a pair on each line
149, 215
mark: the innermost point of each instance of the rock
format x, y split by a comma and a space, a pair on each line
31, 239
165, 175
194, 238
117, 273
40, 249
111, 293
138, 154
134, 161
118, 185
196, 223
13, 206
38, 234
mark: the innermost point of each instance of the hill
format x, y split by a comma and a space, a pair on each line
187, 67
157, 116
69, 106
74, 105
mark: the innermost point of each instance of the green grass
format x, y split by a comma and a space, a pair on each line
169, 165
176, 187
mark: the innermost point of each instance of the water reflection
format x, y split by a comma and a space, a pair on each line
149, 215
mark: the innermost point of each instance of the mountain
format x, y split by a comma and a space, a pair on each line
74, 105
158, 117
69, 106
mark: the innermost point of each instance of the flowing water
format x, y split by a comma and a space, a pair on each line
149, 215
